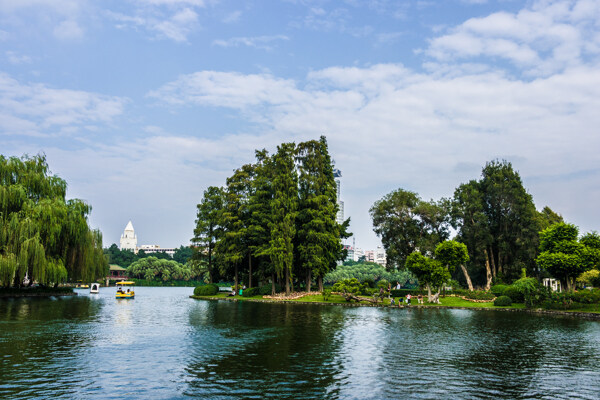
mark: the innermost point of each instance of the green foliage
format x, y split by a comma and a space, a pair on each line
183, 254
498, 290
503, 301
207, 290
514, 293
208, 227
326, 294
406, 223
250, 292
122, 258
349, 288
43, 236
451, 254
590, 278
479, 295
152, 268
266, 289
563, 256
404, 292
368, 273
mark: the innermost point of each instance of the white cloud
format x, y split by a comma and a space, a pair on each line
547, 37
232, 17
175, 22
35, 109
259, 42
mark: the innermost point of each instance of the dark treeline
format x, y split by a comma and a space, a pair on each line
124, 258
274, 221
495, 217
44, 237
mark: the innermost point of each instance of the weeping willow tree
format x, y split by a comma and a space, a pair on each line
44, 238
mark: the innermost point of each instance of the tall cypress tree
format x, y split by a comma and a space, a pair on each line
284, 209
318, 233
209, 228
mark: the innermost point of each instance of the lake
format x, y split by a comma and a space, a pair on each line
164, 345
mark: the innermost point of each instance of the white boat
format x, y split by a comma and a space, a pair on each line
95, 288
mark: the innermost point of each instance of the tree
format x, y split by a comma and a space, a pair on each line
209, 228
122, 258
430, 272
318, 233
454, 254
407, 224
284, 209
496, 218
43, 236
163, 270
183, 254
563, 256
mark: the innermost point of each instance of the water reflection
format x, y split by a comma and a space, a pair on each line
163, 345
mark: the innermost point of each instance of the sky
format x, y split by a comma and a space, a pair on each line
140, 105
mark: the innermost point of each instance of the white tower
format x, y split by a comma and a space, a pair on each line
129, 239
337, 174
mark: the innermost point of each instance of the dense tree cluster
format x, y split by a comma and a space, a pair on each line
124, 258
495, 218
155, 269
43, 236
275, 220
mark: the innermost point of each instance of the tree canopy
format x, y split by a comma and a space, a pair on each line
43, 236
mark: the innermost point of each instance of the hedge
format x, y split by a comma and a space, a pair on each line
503, 301
206, 290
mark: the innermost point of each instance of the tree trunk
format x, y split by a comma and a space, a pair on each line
272, 284
499, 263
250, 270
467, 277
308, 279
493, 262
236, 279
320, 280
488, 271
436, 297
429, 297
210, 269
287, 282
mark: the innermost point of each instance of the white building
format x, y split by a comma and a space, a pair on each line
154, 248
129, 239
380, 256
340, 214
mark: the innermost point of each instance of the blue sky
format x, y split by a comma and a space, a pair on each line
142, 104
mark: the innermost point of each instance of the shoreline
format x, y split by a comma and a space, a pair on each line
571, 314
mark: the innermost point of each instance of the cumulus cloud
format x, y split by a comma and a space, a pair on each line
547, 37
36, 109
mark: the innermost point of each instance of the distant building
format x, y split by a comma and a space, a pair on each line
154, 248
129, 239
380, 256
337, 174
370, 255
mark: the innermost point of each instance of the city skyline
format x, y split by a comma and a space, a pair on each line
140, 105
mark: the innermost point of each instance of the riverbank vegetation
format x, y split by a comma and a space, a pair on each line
44, 237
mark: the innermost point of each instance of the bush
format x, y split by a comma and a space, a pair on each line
514, 293
254, 291
370, 282
503, 301
326, 294
498, 290
479, 295
266, 289
207, 290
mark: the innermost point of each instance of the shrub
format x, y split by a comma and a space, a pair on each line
370, 282
514, 293
266, 289
250, 292
503, 301
498, 290
479, 295
326, 294
206, 290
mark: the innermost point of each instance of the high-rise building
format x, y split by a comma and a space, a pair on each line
129, 239
337, 174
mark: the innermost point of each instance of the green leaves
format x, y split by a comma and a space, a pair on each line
46, 234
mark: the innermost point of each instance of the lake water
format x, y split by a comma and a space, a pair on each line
164, 345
